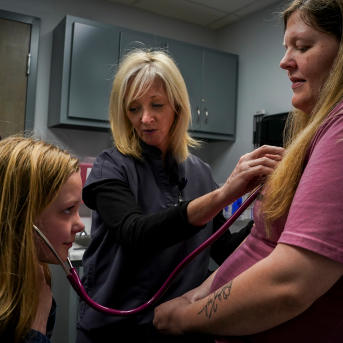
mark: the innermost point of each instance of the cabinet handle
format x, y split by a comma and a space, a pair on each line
206, 114
198, 119
165, 47
28, 64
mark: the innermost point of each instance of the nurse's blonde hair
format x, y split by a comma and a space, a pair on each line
32, 173
138, 70
325, 16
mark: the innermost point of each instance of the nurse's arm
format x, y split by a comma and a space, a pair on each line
273, 291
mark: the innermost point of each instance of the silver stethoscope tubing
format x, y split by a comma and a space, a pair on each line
75, 281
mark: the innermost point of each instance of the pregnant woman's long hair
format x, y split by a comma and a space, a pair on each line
301, 127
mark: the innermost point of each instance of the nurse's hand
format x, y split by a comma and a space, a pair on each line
44, 305
168, 316
251, 170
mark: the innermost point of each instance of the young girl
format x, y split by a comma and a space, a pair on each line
39, 185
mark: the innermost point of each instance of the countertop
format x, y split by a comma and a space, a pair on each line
76, 252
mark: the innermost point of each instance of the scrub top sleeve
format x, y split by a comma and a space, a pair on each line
134, 230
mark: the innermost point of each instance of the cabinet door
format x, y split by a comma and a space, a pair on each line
95, 53
131, 40
14, 49
219, 93
189, 59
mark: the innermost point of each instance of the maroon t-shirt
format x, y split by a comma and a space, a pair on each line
314, 222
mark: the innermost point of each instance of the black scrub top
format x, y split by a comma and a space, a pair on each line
124, 279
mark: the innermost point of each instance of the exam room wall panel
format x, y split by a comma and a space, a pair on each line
51, 12
262, 84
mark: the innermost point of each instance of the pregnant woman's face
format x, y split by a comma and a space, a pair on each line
308, 60
152, 116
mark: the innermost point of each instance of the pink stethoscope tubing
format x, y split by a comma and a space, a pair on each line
75, 281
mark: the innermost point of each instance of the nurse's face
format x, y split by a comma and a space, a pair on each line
308, 60
152, 116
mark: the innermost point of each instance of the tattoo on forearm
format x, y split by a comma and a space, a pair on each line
212, 302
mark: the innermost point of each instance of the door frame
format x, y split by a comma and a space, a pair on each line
32, 78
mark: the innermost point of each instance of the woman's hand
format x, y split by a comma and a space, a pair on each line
44, 305
251, 169
168, 316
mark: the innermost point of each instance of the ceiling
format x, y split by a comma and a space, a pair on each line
212, 14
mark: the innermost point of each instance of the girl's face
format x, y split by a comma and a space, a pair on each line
308, 60
60, 222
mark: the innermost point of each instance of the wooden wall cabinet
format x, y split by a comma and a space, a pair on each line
85, 56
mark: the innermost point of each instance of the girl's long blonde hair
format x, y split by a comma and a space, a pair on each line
32, 173
325, 16
138, 70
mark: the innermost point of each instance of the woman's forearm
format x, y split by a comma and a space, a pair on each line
271, 292
241, 307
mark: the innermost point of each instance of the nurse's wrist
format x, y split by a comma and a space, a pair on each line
226, 196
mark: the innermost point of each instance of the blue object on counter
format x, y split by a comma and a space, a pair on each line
236, 205
227, 212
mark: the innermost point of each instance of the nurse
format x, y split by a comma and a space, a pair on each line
285, 284
153, 202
